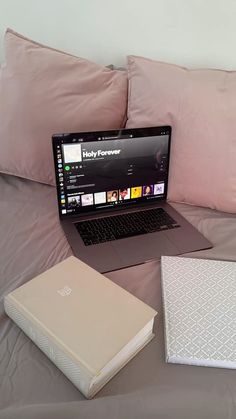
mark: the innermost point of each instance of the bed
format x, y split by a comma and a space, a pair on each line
32, 241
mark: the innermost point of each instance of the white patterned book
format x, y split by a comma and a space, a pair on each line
200, 311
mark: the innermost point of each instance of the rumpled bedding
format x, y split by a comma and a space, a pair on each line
32, 241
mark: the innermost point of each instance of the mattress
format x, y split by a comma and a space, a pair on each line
32, 241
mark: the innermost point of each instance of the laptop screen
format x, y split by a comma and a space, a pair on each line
104, 169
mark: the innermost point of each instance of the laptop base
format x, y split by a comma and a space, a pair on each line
130, 251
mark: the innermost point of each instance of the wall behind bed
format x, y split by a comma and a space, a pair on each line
188, 32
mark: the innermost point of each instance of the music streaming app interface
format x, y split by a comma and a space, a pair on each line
99, 174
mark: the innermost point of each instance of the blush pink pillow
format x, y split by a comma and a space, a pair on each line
200, 105
44, 91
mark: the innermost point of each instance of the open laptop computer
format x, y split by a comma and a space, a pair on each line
112, 189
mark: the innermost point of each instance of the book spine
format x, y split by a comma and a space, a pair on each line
73, 371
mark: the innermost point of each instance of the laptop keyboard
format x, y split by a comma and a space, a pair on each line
125, 225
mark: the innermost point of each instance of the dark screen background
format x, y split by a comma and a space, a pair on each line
139, 161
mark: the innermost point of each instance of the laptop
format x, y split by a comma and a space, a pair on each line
112, 189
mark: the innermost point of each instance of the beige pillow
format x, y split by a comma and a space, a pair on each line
201, 107
44, 91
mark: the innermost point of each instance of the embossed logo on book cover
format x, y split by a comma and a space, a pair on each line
65, 292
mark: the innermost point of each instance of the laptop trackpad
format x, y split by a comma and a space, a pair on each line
139, 249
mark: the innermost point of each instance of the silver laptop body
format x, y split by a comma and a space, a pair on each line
105, 174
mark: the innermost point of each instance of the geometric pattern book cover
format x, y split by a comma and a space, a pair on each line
199, 298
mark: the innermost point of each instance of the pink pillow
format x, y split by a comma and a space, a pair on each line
201, 107
44, 91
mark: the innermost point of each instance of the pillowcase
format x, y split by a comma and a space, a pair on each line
44, 91
200, 105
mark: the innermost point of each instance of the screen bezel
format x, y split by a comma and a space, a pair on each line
109, 135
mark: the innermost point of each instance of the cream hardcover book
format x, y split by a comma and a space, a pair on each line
200, 311
87, 325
